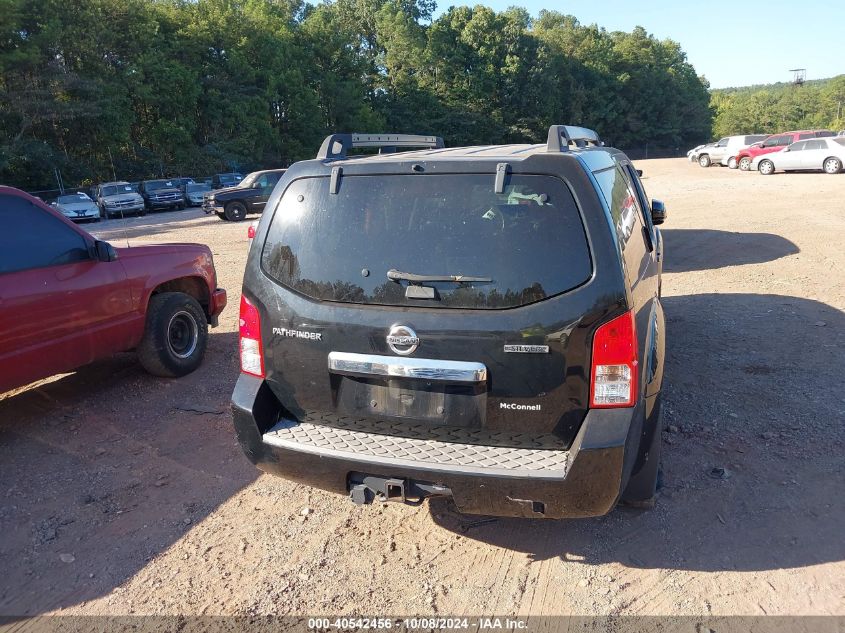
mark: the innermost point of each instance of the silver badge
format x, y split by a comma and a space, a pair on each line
527, 349
402, 340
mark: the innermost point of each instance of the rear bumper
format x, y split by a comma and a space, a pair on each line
584, 481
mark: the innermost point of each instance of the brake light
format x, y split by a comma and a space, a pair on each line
250, 232
252, 354
614, 373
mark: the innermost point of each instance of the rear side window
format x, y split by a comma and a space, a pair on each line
36, 239
621, 201
806, 135
816, 144
840, 140
529, 241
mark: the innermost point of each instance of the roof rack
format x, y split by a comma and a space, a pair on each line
562, 136
337, 145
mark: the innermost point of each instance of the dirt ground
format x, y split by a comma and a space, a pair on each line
121, 493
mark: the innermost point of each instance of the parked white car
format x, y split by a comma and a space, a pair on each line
815, 154
692, 155
77, 207
724, 151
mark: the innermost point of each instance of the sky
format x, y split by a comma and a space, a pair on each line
737, 43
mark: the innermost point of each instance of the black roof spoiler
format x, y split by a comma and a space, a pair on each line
338, 145
562, 136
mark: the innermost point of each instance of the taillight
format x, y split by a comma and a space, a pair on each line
614, 374
250, 233
252, 356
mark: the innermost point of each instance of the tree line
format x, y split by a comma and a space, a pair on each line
781, 107
144, 88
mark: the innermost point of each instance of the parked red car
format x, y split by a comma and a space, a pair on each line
775, 143
67, 299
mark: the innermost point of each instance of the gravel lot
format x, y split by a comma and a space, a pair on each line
121, 493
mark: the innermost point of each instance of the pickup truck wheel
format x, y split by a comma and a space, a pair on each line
644, 483
235, 212
745, 163
732, 162
704, 160
175, 337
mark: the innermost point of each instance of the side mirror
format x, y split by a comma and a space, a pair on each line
105, 251
658, 212
639, 172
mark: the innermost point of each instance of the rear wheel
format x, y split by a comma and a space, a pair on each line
766, 167
235, 212
832, 165
175, 337
732, 162
704, 160
745, 163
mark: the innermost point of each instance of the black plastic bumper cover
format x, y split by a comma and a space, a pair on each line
601, 459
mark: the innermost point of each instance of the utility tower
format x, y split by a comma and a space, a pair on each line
798, 76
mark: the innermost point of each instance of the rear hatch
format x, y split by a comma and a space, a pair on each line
360, 329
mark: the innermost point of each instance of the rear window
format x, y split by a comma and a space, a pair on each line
528, 241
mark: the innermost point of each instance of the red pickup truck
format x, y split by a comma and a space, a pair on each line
67, 299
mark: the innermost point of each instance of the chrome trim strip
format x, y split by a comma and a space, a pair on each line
424, 368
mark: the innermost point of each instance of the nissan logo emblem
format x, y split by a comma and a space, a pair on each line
402, 340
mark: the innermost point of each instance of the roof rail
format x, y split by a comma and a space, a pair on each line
337, 145
562, 136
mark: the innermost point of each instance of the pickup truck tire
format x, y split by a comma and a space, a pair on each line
235, 212
704, 160
175, 336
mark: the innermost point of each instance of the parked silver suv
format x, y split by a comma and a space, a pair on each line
118, 198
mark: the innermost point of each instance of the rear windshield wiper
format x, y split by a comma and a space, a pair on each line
397, 276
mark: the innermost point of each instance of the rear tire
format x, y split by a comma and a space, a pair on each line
175, 336
766, 167
235, 212
745, 163
832, 165
704, 160
732, 162
642, 487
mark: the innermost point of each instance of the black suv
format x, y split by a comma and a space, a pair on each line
480, 322
249, 196
161, 194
